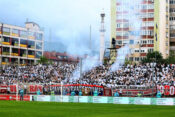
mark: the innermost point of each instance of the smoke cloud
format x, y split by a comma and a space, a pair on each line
68, 20
133, 9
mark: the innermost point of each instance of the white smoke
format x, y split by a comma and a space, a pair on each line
88, 63
120, 60
133, 9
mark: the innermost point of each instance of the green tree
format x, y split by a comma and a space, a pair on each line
43, 60
128, 62
153, 57
171, 58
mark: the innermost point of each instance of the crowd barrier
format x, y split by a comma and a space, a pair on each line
101, 99
127, 91
13, 97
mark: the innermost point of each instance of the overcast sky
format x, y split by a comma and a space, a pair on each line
69, 20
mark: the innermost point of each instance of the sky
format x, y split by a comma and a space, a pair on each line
67, 21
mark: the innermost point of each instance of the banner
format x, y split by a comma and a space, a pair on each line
83, 99
142, 101
166, 90
65, 98
43, 98
35, 88
121, 100
110, 100
13, 97
165, 101
99, 99
73, 99
58, 99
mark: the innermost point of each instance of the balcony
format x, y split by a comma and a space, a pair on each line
4, 63
24, 55
31, 37
33, 47
31, 56
5, 53
23, 64
6, 33
16, 44
23, 45
15, 35
14, 54
172, 39
6, 43
172, 48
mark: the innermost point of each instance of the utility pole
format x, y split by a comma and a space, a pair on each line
102, 37
1, 45
90, 38
50, 42
81, 65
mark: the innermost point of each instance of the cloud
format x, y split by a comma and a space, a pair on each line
69, 20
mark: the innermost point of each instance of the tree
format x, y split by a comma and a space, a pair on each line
171, 58
128, 62
153, 57
43, 60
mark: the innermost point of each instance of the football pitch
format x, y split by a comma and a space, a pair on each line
52, 109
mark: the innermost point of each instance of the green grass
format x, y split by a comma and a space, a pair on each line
52, 109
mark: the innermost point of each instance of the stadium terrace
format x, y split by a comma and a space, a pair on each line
129, 80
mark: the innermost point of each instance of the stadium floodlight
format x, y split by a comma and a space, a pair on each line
61, 91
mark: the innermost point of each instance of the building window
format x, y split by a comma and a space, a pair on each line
172, 10
172, 35
31, 44
15, 32
30, 52
172, 18
142, 51
148, 32
23, 42
31, 35
131, 58
167, 34
136, 58
167, 9
39, 36
172, 27
150, 50
38, 54
172, 1
6, 39
15, 41
145, 24
167, 43
6, 31
150, 41
136, 51
23, 34
143, 42
131, 41
122, 34
0, 29
39, 45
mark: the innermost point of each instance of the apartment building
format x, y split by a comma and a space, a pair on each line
154, 31
21, 45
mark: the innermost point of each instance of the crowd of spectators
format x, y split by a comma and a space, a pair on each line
140, 75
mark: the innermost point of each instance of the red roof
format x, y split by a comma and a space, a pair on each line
60, 56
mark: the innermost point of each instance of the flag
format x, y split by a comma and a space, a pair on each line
156, 26
2, 28
156, 36
56, 73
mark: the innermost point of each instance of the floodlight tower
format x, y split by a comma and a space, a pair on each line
102, 37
